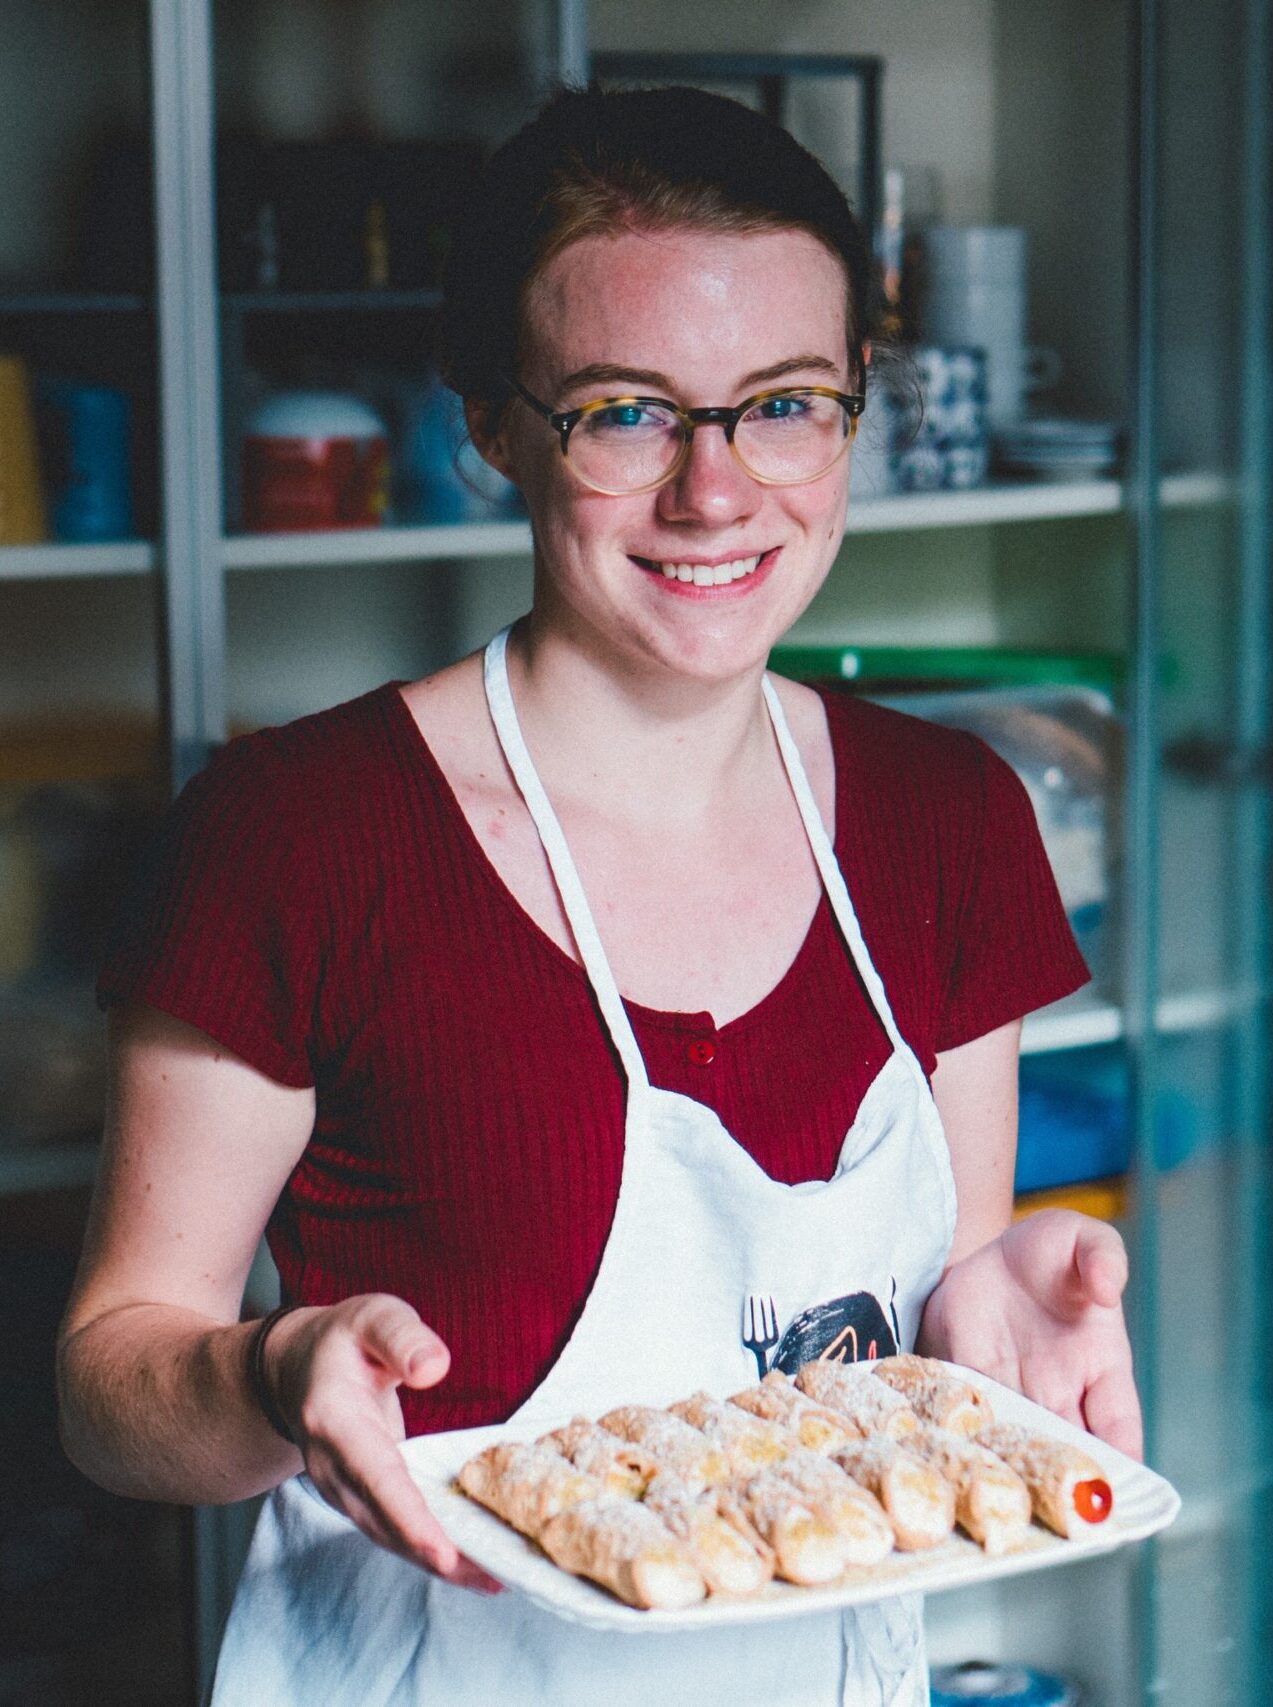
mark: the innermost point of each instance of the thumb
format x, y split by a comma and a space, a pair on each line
395, 1337
1100, 1263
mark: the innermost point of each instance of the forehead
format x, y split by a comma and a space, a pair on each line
696, 306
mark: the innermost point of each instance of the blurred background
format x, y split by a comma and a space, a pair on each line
232, 491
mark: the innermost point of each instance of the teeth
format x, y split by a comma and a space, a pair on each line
706, 575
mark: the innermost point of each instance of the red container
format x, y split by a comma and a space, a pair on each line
314, 461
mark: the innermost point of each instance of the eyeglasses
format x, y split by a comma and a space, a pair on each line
624, 445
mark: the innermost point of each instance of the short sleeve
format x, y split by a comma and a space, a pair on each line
218, 930
1014, 949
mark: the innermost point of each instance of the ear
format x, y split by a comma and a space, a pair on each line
485, 422
866, 352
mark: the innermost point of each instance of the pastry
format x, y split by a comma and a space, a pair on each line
525, 1485
872, 1406
918, 1503
671, 1442
936, 1395
732, 1557
750, 1441
626, 1548
806, 1546
776, 1400
992, 1503
865, 1533
620, 1467
1068, 1489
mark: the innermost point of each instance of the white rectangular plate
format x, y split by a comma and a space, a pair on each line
1143, 1504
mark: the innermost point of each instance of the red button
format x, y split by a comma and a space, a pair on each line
702, 1052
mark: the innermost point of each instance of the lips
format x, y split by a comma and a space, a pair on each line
707, 577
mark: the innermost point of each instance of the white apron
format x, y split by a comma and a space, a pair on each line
324, 1616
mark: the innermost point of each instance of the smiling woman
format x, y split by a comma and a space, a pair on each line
530, 1006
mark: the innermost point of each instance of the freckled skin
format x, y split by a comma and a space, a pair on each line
706, 311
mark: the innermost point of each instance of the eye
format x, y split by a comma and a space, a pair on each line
788, 406
624, 416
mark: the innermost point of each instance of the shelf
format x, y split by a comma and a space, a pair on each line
71, 302
54, 561
50, 1167
329, 301
1089, 1022
1022, 501
376, 545
433, 542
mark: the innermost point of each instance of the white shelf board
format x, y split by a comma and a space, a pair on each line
375, 545
46, 1167
1005, 502
1087, 1022
55, 561
1021, 501
986, 505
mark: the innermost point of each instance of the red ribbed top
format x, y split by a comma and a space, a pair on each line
319, 904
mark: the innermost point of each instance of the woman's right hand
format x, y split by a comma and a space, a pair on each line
335, 1371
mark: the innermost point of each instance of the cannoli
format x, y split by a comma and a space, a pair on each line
936, 1395
1068, 1489
855, 1514
918, 1503
621, 1468
627, 1549
525, 1485
750, 1441
672, 1443
775, 1399
732, 1557
873, 1407
992, 1503
806, 1546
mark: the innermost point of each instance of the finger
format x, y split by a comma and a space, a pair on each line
463, 1572
1100, 1260
1062, 1401
1111, 1410
393, 1334
393, 1512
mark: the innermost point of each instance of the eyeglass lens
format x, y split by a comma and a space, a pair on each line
788, 438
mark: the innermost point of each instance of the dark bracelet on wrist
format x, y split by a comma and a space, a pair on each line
258, 1386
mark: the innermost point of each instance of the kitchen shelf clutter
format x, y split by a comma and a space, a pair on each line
268, 209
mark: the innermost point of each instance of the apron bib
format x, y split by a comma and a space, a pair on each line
324, 1616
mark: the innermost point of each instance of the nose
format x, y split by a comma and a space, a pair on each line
711, 486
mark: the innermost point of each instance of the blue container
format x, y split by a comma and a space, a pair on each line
85, 433
976, 1684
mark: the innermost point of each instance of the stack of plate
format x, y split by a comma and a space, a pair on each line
1053, 447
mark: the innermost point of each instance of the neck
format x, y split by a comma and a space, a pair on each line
637, 744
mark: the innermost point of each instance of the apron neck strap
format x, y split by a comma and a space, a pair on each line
574, 902
832, 877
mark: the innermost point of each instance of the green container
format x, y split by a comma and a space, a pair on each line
885, 668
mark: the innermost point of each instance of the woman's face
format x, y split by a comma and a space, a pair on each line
702, 319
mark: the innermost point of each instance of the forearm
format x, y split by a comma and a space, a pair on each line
154, 1403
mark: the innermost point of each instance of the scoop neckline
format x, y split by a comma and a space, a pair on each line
666, 1019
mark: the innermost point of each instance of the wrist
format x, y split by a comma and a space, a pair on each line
261, 1371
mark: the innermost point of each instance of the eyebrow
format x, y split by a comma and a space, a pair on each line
608, 373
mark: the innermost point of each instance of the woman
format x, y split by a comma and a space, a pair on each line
375, 1006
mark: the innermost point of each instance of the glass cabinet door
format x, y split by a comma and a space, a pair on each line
1197, 950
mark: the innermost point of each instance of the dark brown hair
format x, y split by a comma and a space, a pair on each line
603, 161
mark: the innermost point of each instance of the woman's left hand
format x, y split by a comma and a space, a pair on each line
1039, 1309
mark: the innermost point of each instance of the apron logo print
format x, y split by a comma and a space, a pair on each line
842, 1330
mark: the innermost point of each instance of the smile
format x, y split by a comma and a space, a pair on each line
705, 574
